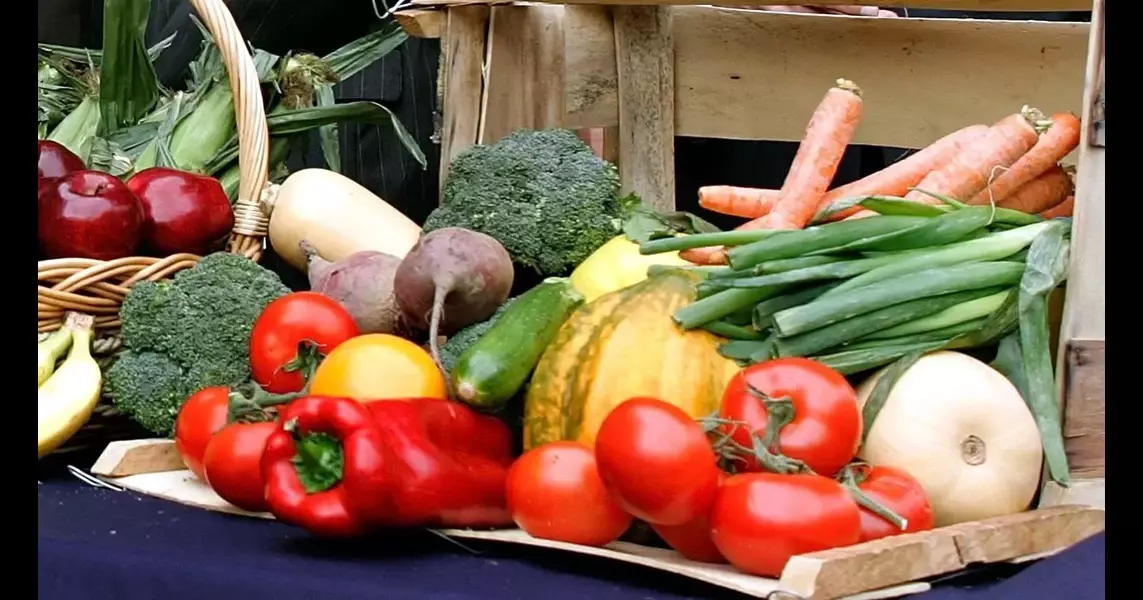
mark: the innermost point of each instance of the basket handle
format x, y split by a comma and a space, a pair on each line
250, 223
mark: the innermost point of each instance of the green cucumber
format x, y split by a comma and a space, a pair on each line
493, 369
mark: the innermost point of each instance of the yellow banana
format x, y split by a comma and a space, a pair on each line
68, 397
50, 350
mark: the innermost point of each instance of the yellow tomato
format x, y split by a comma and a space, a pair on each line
379, 366
616, 265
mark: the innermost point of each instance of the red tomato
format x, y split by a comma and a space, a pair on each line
287, 323
202, 415
555, 493
826, 427
233, 464
896, 490
760, 520
657, 462
693, 539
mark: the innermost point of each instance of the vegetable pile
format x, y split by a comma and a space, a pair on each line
810, 380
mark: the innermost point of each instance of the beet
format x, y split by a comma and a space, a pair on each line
451, 279
361, 282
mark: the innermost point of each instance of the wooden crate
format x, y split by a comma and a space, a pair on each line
649, 73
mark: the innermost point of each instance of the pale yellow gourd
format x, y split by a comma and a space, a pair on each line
337, 216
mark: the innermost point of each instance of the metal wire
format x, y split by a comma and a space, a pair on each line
389, 10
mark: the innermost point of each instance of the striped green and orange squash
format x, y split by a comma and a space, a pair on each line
621, 345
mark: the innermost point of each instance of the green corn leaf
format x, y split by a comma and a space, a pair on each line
128, 86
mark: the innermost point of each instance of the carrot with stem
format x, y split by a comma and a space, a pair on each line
1041, 193
1063, 209
893, 180
971, 169
1061, 137
827, 136
745, 202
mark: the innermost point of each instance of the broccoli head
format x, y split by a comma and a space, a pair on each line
186, 334
543, 194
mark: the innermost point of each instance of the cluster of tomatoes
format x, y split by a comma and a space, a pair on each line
771, 476
299, 339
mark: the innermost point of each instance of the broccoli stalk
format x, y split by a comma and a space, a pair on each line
187, 334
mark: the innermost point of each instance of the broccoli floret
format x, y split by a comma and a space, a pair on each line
460, 341
543, 194
187, 334
149, 388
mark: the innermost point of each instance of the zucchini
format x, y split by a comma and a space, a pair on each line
497, 366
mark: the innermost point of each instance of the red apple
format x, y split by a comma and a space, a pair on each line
183, 212
57, 161
88, 214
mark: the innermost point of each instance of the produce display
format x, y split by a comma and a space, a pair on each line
813, 379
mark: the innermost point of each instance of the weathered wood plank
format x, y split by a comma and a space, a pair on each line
958, 5
462, 80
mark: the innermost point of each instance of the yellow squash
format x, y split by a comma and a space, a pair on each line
616, 265
622, 345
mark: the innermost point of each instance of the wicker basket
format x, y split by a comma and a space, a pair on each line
98, 287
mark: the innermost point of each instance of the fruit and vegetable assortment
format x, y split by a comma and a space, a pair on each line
811, 380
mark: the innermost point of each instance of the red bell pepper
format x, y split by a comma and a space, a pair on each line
328, 468
452, 463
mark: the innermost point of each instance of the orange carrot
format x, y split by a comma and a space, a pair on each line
749, 203
970, 170
827, 136
897, 178
1042, 193
1063, 209
1057, 142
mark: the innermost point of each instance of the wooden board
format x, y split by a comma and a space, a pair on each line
1081, 355
524, 86
462, 80
881, 569
426, 24
958, 5
756, 75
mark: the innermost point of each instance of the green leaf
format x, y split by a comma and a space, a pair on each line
643, 223
319, 462
128, 86
330, 144
1009, 362
355, 56
95, 57
1046, 268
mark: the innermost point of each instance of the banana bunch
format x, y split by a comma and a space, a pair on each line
68, 395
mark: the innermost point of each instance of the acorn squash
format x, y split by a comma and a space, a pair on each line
621, 345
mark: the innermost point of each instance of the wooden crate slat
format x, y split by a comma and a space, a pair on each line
462, 80
922, 78
957, 5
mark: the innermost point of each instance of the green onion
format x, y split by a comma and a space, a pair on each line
932, 282
726, 302
820, 238
704, 240
836, 270
953, 333
862, 326
995, 246
855, 361
739, 349
971, 310
792, 264
764, 310
937, 231
703, 271
732, 332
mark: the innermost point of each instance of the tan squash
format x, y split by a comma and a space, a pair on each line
621, 345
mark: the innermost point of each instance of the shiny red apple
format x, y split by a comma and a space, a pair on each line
88, 214
183, 212
56, 160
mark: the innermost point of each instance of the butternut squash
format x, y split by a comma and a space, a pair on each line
621, 345
337, 216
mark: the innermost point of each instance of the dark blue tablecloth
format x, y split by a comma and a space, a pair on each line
98, 544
